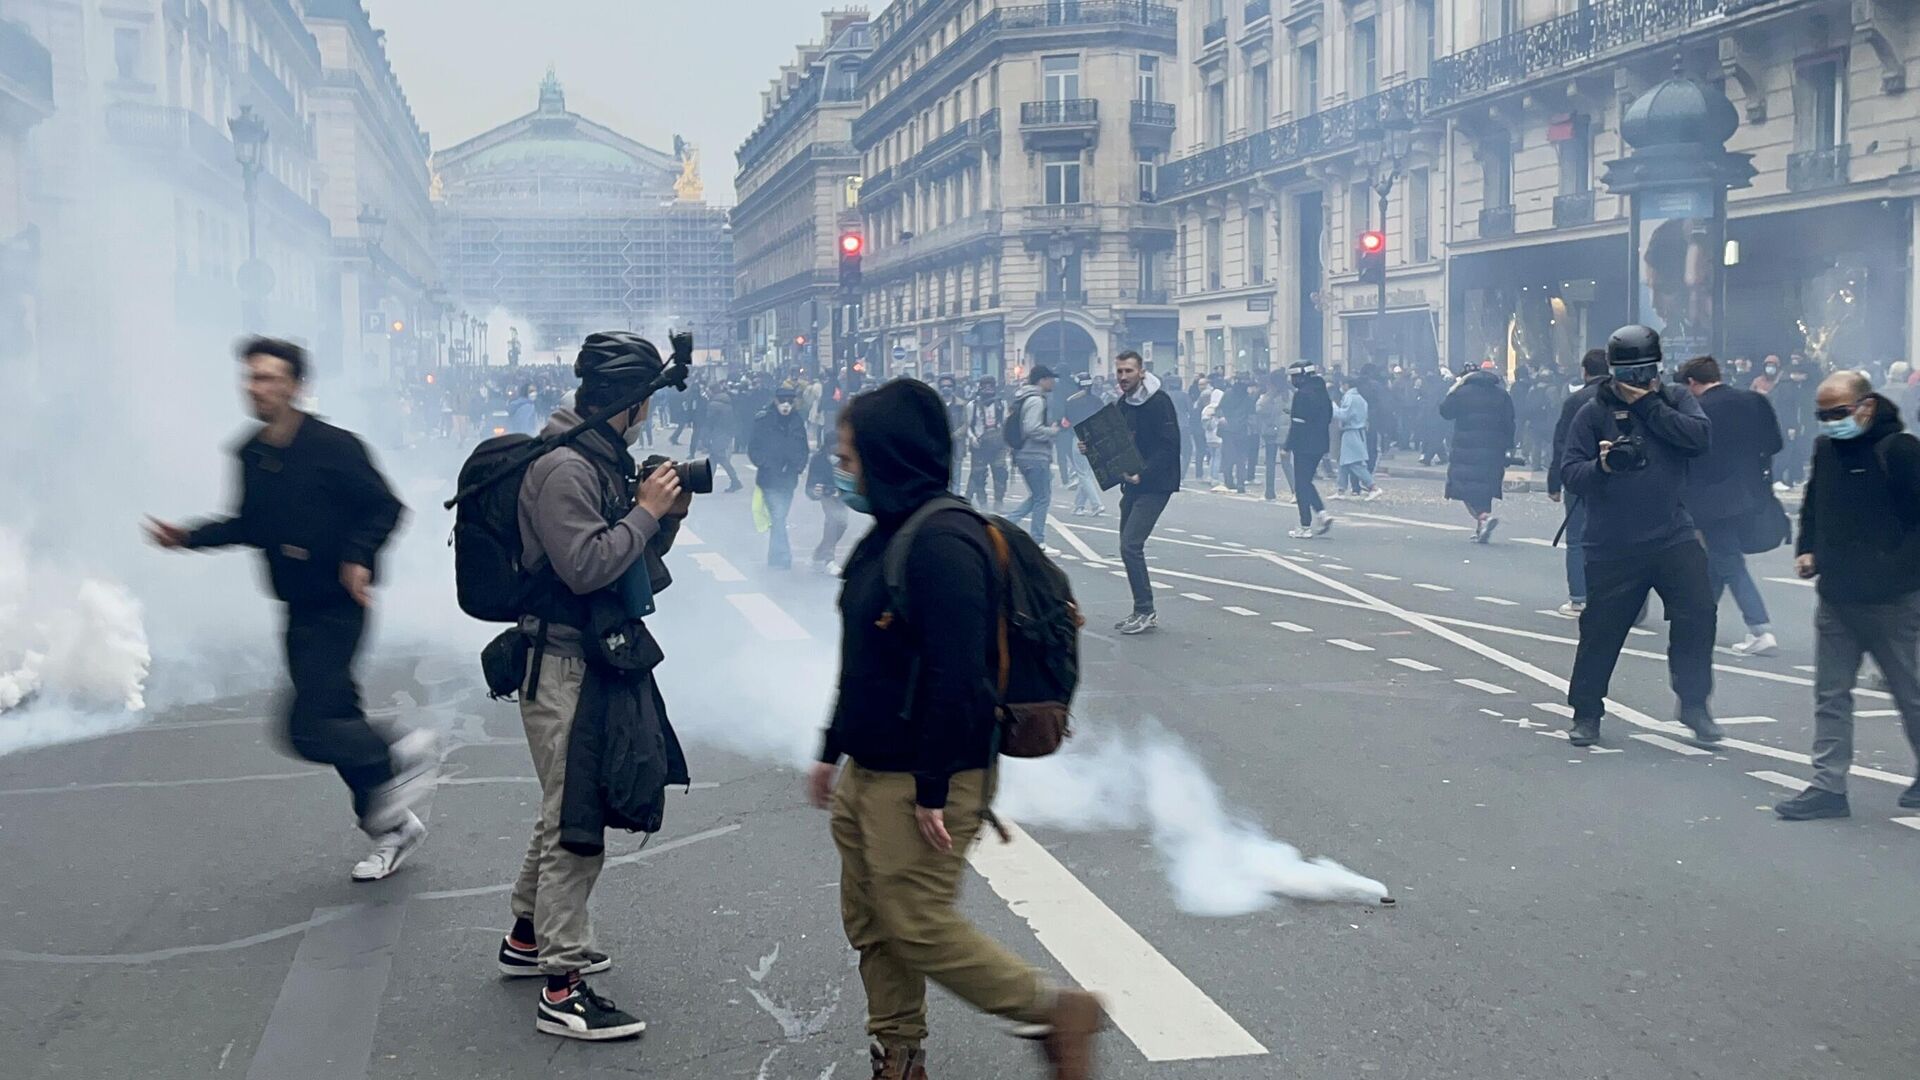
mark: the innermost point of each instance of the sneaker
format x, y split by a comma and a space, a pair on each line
1910, 798
1572, 608
1124, 623
518, 963
1758, 645
1584, 732
1051, 552
1322, 523
1782, 486
390, 849
1221, 489
1812, 805
1076, 1021
1140, 624
583, 1014
1372, 494
1336, 496
1302, 533
416, 763
1485, 532
897, 1063
1704, 728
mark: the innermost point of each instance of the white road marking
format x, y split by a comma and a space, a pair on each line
1412, 664
1077, 544
767, 618
1231, 555
1431, 588
1157, 584
1909, 822
1534, 540
1383, 577
1871, 712
1496, 600
1149, 1000
1487, 686
1350, 646
685, 538
1201, 597
1558, 615
1637, 632
1808, 668
1233, 544
1792, 581
1556, 734
1665, 743
1240, 611
1495, 713
1409, 521
1781, 779
1726, 720
1295, 627
1555, 708
1171, 529
716, 564
1118, 573
1200, 536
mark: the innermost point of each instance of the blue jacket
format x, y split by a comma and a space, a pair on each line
1638, 513
1352, 414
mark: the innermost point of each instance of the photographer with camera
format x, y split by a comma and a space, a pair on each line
592, 550
1627, 455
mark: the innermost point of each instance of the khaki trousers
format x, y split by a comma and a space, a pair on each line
897, 897
554, 883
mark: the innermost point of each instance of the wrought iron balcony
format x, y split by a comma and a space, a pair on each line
1060, 215
27, 64
1814, 169
1574, 209
1570, 39
1146, 297
1496, 221
1214, 33
1153, 114
1286, 145
1088, 13
1059, 297
1257, 10
1072, 112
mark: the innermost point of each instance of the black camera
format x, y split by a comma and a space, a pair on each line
1629, 451
681, 344
695, 476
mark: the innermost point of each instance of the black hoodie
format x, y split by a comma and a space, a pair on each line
1861, 516
1635, 513
914, 696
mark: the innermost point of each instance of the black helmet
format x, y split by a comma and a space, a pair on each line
617, 356
1633, 346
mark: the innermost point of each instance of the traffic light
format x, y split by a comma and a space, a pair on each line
852, 246
397, 327
1371, 252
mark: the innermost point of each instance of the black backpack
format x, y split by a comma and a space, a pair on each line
488, 578
1038, 637
1014, 430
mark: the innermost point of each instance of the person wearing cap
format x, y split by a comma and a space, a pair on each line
778, 450
585, 538
1627, 455
1081, 404
1034, 458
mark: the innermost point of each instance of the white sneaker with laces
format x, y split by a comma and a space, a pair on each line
390, 849
1302, 534
1758, 645
1572, 608
1374, 493
416, 763
1322, 522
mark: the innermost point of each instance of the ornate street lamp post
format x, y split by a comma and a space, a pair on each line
255, 278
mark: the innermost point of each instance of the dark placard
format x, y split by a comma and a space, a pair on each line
1110, 448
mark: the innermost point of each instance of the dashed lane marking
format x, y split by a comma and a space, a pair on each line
1782, 780
1496, 600
1413, 665
1870, 712
716, 564
1495, 713
1431, 588
1409, 521
1294, 627
1665, 743
1350, 646
1792, 581
1909, 822
1383, 577
767, 618
1534, 540
1201, 597
1478, 684
686, 538
1241, 611
1233, 544
1555, 708
1200, 536
1557, 615
1727, 720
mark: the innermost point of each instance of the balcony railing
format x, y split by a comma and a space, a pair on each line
27, 64
1059, 297
1144, 296
1570, 39
1087, 12
1257, 10
1814, 169
1059, 214
1496, 221
1063, 113
1339, 128
1214, 32
1153, 114
1574, 209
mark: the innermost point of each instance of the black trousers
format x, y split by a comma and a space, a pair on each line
324, 721
1305, 496
1616, 592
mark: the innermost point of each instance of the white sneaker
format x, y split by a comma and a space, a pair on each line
1322, 523
1374, 493
1051, 552
416, 763
1302, 534
1782, 486
390, 849
1221, 489
1760, 645
1572, 608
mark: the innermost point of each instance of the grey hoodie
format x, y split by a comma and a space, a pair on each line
1030, 406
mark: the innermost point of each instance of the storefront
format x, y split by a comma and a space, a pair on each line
1830, 282
1540, 306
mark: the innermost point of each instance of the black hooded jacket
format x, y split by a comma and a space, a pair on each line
1481, 411
1312, 413
1861, 517
915, 696
778, 448
1641, 512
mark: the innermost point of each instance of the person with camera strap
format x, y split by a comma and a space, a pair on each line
1627, 455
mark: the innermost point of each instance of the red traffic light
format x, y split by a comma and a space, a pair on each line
1373, 241
801, 341
851, 244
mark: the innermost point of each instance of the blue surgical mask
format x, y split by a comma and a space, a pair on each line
849, 488
1845, 428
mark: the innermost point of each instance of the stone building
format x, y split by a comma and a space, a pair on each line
26, 98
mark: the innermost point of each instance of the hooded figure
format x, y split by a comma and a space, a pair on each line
1483, 433
778, 450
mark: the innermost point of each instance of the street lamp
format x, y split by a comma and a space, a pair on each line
255, 278
1383, 150
1060, 250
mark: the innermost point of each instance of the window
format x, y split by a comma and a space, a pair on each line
1496, 171
1149, 280
1149, 163
1820, 104
1061, 77
1216, 350
1147, 82
1182, 270
1213, 253
126, 53
1256, 241
1306, 80
1217, 114
1063, 177
1419, 214
1360, 208
1498, 18
1366, 58
1570, 135
1423, 37
1259, 98
1063, 275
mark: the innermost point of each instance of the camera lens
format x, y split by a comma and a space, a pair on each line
696, 475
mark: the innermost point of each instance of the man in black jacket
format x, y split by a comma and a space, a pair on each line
1150, 416
914, 723
1730, 486
778, 450
1860, 536
1627, 455
1308, 439
1593, 367
314, 505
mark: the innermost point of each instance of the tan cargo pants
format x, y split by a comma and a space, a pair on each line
897, 899
554, 883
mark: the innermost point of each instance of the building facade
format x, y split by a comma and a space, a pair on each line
375, 181
574, 228
26, 98
1009, 156
798, 183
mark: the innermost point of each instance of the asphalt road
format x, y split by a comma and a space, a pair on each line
177, 903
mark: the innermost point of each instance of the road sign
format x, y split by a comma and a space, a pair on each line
899, 354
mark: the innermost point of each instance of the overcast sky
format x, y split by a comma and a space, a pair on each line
650, 69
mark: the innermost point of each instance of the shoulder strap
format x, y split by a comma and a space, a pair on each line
894, 559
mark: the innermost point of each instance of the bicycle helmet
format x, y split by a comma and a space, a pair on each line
617, 356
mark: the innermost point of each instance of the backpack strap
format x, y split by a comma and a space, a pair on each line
894, 558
